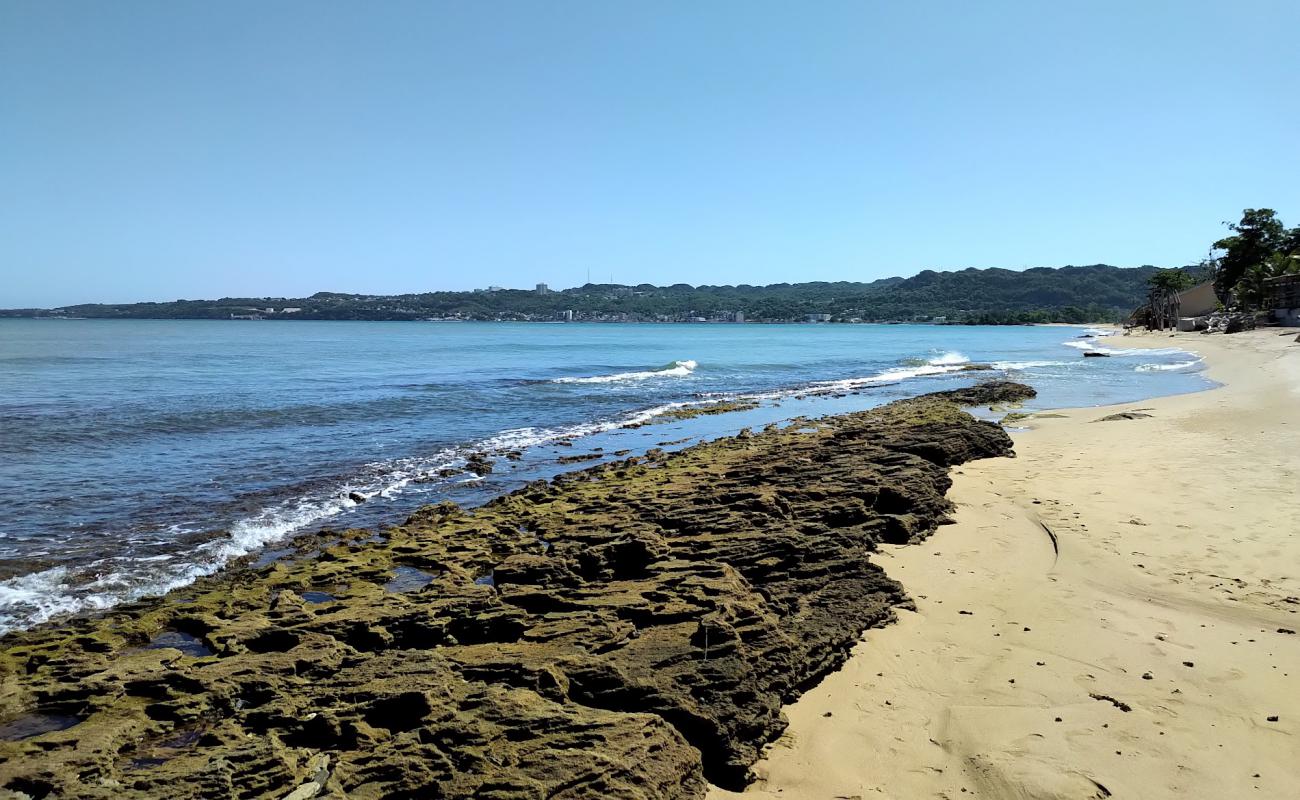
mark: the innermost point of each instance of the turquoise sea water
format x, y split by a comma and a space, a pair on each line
139, 455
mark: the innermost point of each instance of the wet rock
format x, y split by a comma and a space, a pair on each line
643, 625
178, 640
357, 497
574, 459
1121, 705
479, 464
1123, 415
986, 393
1095, 354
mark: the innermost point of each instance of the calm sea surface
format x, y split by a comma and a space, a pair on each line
136, 456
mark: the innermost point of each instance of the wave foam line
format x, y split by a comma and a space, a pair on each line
677, 369
1027, 364
37, 597
1083, 344
1168, 367
948, 359
886, 376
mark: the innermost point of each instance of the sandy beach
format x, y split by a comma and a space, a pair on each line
1112, 614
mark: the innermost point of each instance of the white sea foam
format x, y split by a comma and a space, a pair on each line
1168, 367
40, 596
950, 358
1087, 346
886, 376
34, 598
523, 438
1027, 364
677, 369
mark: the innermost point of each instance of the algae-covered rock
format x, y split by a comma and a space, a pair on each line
625, 631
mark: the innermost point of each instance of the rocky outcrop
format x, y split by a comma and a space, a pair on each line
987, 393
479, 464
629, 631
1123, 415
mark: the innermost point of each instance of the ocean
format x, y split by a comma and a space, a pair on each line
137, 456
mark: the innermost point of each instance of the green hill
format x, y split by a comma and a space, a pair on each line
1067, 294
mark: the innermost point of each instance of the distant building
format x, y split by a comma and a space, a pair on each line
1198, 300
494, 289
294, 310
1284, 297
543, 289
568, 316
819, 317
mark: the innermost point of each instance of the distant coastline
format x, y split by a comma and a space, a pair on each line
1071, 295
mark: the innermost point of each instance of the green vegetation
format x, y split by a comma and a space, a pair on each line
1097, 293
1172, 280
1260, 248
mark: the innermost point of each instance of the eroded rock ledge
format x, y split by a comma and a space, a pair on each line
626, 631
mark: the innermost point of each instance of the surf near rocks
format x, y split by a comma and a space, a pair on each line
629, 630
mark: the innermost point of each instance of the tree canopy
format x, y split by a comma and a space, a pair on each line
1260, 247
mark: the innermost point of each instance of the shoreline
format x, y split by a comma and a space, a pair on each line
249, 620
251, 517
1107, 616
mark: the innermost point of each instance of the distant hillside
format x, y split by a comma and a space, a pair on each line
1067, 294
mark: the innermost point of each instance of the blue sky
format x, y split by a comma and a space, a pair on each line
158, 150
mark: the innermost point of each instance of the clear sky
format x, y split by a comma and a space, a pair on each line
159, 150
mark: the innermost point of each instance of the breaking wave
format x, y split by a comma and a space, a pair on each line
1083, 344
893, 375
37, 597
677, 369
1005, 365
1168, 367
948, 359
